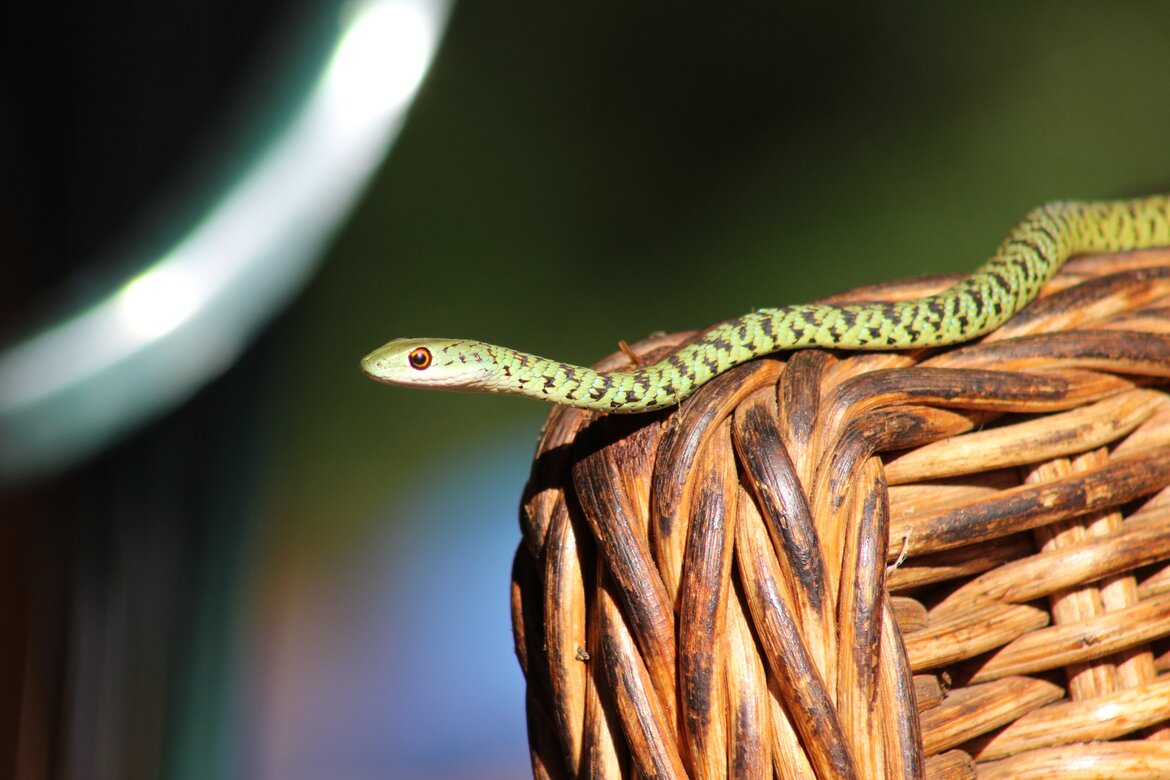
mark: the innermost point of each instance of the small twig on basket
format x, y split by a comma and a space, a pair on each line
902, 553
633, 356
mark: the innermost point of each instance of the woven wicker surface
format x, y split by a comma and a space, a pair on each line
948, 563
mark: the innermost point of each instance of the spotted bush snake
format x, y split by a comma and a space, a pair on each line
1030, 255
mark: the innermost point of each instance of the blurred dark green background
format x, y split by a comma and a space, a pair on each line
569, 176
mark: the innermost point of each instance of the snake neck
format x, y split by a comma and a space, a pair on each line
638, 390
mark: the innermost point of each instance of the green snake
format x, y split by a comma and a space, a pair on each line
1024, 262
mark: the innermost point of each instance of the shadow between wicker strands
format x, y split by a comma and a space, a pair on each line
942, 563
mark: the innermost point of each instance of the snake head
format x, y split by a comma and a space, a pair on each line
451, 364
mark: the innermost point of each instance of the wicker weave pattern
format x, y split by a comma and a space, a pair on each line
939, 563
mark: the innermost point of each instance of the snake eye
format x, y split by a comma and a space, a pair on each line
419, 358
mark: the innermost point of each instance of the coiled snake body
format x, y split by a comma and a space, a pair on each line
1024, 262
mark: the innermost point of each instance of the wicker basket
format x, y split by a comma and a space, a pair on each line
942, 563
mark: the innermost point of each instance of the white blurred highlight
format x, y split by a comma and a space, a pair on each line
155, 303
380, 61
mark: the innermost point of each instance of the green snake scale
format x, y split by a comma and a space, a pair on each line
1025, 261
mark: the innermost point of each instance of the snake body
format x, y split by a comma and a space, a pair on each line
1030, 255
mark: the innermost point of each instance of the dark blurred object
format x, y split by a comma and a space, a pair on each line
169, 176
120, 586
103, 108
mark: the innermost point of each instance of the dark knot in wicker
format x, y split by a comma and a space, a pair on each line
833, 564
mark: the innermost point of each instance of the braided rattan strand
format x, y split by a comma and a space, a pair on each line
940, 563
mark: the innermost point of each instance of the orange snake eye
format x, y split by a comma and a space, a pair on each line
419, 358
